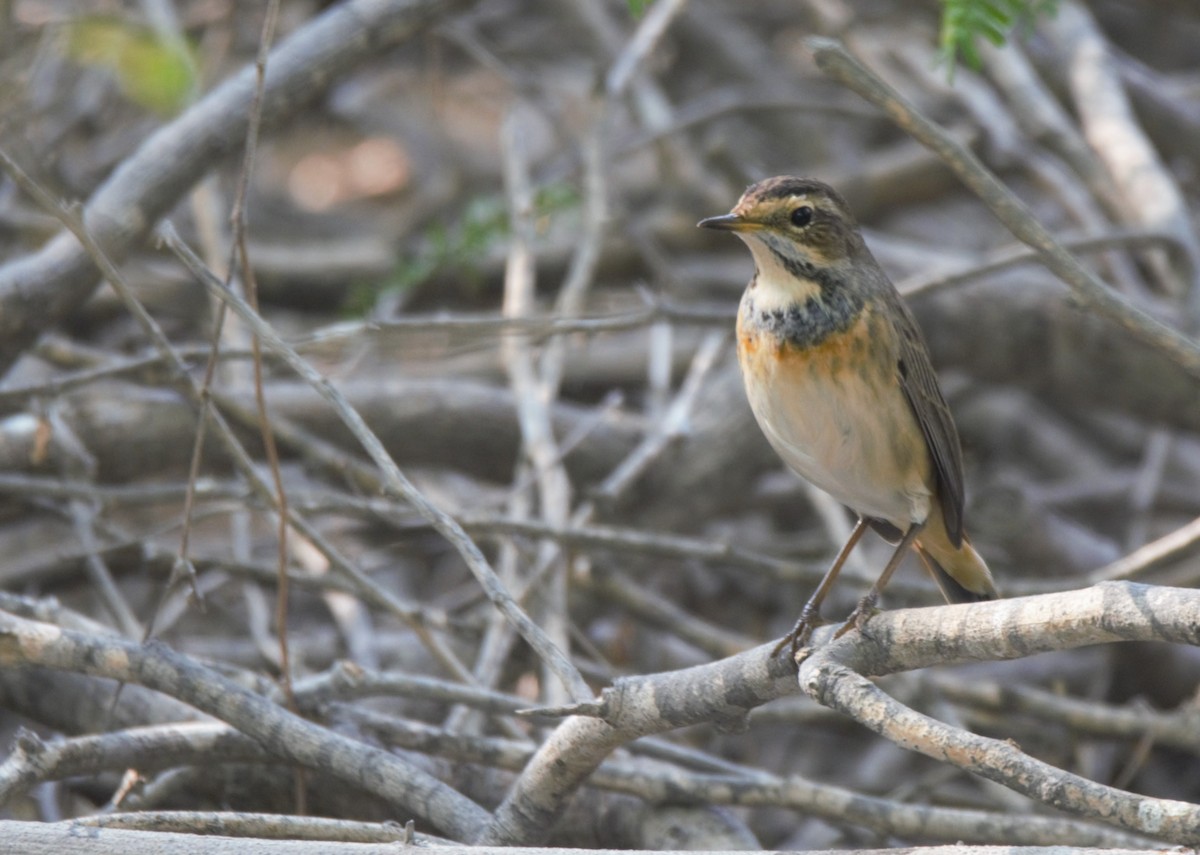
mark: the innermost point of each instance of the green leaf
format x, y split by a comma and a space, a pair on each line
463, 247
157, 73
637, 8
965, 21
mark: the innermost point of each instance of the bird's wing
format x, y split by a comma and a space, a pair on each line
933, 415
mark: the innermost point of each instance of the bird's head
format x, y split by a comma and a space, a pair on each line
796, 224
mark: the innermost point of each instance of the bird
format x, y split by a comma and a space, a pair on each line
840, 381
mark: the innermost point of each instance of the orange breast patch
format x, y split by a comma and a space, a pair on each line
835, 352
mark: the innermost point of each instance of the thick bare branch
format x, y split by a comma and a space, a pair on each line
155, 666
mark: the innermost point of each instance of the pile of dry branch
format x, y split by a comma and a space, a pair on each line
360, 405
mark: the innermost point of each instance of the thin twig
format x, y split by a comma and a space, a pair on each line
649, 32
1008, 257
1141, 561
250, 284
533, 396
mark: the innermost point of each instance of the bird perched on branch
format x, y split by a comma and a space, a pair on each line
840, 382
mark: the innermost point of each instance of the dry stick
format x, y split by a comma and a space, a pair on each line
82, 511
582, 270
602, 537
538, 440
656, 610
835, 61
715, 104
259, 827
168, 28
976, 101
347, 682
1174, 120
837, 675
83, 518
1015, 255
250, 284
650, 102
343, 683
155, 666
394, 480
1043, 118
653, 444
569, 303
1158, 444
1148, 191
1049, 170
1149, 194
1172, 728
52, 611
649, 32
535, 327
153, 748
1140, 561
147, 749
670, 429
532, 396
846, 808
81, 838
578, 535
98, 371
551, 326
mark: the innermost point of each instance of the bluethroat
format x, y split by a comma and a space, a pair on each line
840, 381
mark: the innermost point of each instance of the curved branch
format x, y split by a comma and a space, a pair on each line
837, 675
156, 666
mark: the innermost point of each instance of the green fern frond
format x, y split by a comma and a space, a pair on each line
637, 8
965, 21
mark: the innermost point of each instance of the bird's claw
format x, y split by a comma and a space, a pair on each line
798, 638
863, 612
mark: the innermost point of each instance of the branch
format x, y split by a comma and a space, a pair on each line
156, 666
724, 692
837, 675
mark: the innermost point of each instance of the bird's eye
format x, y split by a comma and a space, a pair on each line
801, 216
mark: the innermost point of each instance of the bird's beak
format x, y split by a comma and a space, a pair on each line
729, 223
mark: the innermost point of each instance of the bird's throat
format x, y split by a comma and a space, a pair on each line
799, 311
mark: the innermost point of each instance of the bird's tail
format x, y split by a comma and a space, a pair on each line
959, 571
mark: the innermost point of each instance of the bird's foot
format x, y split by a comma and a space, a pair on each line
862, 613
798, 638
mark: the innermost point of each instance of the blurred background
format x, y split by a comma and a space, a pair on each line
485, 237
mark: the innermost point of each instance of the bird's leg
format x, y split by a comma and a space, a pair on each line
867, 604
810, 614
